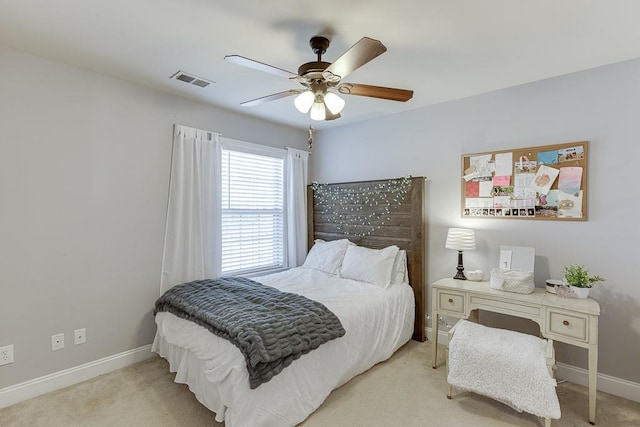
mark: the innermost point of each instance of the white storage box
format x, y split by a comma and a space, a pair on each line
515, 271
518, 281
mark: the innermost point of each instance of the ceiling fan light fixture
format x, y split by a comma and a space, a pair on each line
317, 111
334, 103
319, 76
304, 101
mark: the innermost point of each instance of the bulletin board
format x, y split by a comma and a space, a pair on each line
544, 183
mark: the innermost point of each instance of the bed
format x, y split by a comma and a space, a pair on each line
378, 317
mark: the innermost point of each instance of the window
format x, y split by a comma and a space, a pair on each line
253, 208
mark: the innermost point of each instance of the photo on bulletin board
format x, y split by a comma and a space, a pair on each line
546, 182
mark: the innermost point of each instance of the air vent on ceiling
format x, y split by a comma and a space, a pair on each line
191, 79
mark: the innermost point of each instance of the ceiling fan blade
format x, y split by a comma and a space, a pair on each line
272, 97
246, 62
390, 93
359, 54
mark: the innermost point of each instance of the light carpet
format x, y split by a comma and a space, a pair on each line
403, 391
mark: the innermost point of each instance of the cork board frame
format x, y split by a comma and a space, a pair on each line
547, 182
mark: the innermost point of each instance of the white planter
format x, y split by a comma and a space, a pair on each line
580, 292
566, 290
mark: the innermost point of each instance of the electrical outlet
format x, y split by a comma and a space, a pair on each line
79, 336
57, 342
6, 354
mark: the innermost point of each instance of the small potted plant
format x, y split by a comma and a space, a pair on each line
579, 280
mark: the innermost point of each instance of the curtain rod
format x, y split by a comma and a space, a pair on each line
295, 148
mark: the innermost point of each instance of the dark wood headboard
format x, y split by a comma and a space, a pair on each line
402, 225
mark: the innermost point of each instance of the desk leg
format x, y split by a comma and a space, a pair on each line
593, 376
434, 337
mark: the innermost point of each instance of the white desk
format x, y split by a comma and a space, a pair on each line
572, 321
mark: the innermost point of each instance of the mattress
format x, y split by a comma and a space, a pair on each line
377, 322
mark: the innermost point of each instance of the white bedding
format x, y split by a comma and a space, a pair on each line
377, 322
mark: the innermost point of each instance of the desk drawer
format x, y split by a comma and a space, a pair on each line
513, 307
451, 301
570, 325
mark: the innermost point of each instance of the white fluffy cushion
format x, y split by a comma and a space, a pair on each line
400, 272
505, 365
369, 265
326, 256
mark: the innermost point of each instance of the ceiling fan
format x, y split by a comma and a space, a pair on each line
320, 79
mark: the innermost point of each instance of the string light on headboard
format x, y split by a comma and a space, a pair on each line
365, 208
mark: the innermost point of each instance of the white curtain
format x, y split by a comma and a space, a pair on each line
192, 236
297, 166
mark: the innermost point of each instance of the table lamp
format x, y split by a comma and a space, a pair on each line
460, 239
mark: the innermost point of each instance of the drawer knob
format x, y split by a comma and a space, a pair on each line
451, 300
565, 322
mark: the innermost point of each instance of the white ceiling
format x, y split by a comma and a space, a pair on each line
441, 49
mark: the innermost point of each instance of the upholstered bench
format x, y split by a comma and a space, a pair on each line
511, 367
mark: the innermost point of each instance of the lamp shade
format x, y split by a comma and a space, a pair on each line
304, 101
317, 111
461, 239
334, 103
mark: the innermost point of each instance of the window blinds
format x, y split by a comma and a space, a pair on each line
252, 212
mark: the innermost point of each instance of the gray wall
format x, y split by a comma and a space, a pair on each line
600, 105
84, 173
84, 162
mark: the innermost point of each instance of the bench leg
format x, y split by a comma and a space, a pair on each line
446, 360
551, 364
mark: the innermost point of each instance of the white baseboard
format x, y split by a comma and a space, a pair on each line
608, 384
48, 383
443, 336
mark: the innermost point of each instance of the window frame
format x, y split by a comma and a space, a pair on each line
228, 144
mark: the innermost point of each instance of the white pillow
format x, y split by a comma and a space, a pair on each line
326, 256
369, 265
400, 272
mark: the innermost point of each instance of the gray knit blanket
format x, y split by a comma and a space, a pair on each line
270, 327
